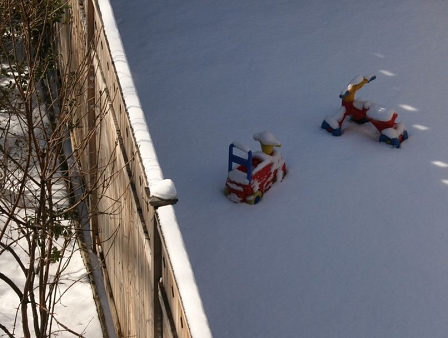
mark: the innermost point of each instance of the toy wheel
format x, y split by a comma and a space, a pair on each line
394, 142
405, 135
226, 191
255, 198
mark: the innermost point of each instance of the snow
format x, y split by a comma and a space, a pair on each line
163, 189
138, 122
168, 223
276, 160
241, 146
267, 138
352, 243
333, 120
394, 132
74, 307
357, 80
380, 113
238, 176
358, 104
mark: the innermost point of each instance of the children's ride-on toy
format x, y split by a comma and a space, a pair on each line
381, 117
255, 171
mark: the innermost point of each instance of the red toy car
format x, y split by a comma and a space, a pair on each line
254, 174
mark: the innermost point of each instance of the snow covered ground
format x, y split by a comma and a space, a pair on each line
353, 242
75, 306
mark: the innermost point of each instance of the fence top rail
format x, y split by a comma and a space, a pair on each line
172, 238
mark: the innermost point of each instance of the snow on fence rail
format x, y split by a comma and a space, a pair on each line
151, 281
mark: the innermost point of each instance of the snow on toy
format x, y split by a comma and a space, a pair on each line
382, 118
255, 172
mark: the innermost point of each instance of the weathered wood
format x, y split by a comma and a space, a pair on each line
135, 255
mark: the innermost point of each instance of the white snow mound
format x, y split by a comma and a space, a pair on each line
267, 138
163, 189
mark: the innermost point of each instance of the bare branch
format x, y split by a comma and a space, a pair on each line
12, 285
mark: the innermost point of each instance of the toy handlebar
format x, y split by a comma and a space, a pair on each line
370, 77
359, 80
344, 95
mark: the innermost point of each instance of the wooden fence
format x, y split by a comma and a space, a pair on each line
142, 246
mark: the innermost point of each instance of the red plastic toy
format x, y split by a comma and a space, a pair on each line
381, 117
255, 172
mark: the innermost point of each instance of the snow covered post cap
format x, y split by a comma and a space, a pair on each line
161, 192
267, 141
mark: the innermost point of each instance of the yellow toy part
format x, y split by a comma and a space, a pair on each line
267, 141
348, 94
255, 198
